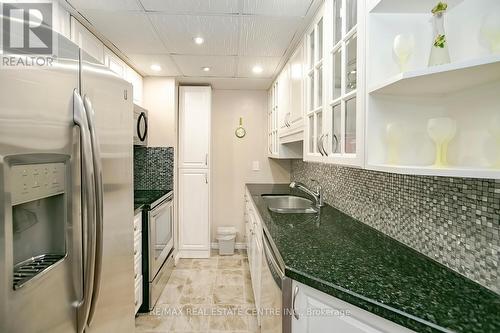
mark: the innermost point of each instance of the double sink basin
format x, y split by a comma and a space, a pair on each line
289, 204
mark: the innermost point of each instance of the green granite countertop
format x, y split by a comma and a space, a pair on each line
350, 260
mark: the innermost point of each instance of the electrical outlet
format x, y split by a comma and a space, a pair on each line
255, 166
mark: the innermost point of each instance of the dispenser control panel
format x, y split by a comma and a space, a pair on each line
36, 181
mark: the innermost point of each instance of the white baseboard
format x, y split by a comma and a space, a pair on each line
237, 246
194, 254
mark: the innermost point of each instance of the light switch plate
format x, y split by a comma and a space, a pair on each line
255, 166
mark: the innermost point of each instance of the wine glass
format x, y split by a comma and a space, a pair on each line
403, 48
442, 131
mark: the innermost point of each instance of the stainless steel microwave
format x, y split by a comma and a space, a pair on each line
140, 126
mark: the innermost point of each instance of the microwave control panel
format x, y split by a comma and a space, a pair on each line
36, 181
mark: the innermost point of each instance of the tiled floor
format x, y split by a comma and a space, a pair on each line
205, 295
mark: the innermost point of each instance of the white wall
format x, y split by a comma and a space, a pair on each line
233, 157
160, 99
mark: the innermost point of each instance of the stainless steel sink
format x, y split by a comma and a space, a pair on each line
289, 204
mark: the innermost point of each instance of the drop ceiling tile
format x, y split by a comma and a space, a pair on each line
143, 62
276, 7
220, 66
131, 32
192, 6
177, 32
266, 36
108, 5
268, 64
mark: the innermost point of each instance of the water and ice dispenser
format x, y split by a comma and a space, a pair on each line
38, 219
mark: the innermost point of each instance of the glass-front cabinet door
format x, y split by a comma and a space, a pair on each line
344, 134
315, 92
272, 120
335, 84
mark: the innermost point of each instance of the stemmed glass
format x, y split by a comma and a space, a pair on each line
442, 131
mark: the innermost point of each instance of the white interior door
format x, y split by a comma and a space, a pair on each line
194, 127
194, 213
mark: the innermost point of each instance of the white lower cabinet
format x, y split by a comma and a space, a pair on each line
138, 260
256, 269
194, 213
253, 229
317, 312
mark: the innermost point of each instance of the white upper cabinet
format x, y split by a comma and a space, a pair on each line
86, 40
286, 109
281, 142
120, 68
284, 104
315, 88
335, 85
441, 119
292, 87
137, 83
297, 69
194, 126
114, 63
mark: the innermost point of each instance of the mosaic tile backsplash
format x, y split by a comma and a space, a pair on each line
153, 168
455, 221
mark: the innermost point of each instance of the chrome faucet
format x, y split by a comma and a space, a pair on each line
317, 195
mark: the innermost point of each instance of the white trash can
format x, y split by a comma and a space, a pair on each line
226, 237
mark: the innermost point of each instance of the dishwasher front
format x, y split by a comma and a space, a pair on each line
276, 293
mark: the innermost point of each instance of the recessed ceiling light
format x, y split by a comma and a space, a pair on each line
199, 40
257, 69
205, 69
156, 67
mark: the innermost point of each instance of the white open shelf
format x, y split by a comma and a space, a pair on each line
407, 6
472, 172
442, 79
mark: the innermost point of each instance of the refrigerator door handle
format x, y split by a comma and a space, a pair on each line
88, 209
99, 197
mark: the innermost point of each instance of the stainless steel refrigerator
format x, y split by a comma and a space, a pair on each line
66, 197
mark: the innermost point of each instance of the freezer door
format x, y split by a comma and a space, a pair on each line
40, 196
109, 99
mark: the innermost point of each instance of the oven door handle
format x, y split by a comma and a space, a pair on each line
88, 210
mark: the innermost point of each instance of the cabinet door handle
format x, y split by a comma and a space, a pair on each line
318, 145
206, 179
323, 144
295, 292
206, 159
335, 144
